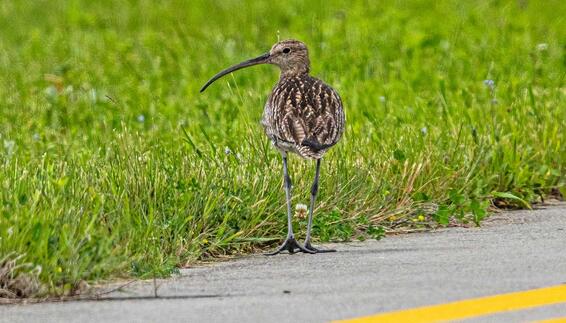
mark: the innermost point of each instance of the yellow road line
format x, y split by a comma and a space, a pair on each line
472, 307
556, 320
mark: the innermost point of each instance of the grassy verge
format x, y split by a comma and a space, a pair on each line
112, 164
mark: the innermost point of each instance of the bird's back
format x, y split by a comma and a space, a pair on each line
304, 115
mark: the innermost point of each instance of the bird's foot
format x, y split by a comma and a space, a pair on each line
290, 245
316, 250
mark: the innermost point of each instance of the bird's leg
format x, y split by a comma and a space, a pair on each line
314, 191
290, 243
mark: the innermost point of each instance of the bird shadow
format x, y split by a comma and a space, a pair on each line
95, 298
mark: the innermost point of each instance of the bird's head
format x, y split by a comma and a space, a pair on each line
290, 55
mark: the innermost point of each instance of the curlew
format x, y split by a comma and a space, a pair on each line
302, 115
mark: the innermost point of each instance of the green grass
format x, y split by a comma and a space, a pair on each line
112, 164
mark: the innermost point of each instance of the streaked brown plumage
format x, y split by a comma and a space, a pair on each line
302, 115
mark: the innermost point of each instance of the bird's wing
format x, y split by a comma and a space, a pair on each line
324, 115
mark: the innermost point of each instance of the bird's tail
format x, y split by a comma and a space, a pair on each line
314, 144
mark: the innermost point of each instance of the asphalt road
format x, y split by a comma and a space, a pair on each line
512, 251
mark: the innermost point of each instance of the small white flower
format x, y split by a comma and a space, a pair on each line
9, 146
227, 150
50, 91
424, 130
301, 211
382, 99
542, 47
10, 231
141, 118
489, 83
36, 137
301, 207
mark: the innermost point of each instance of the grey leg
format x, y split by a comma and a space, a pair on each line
290, 243
288, 186
314, 192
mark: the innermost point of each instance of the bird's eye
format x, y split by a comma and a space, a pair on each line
286, 50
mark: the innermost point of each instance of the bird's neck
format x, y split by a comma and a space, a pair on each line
293, 71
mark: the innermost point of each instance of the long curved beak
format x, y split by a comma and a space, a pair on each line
254, 61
